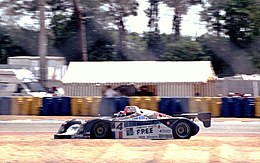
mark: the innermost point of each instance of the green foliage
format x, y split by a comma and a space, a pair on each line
118, 11
239, 19
14, 10
152, 12
184, 50
213, 15
135, 42
153, 41
239, 26
102, 50
254, 52
8, 48
153, 36
100, 45
121, 8
62, 29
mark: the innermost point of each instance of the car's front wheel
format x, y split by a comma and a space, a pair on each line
182, 130
101, 130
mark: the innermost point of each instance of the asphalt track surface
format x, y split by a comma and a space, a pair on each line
30, 139
219, 126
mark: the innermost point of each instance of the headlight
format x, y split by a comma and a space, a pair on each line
73, 129
62, 128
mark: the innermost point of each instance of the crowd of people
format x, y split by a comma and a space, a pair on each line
127, 90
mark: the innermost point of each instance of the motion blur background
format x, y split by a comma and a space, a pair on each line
81, 47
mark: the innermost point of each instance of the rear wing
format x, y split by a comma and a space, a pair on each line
203, 117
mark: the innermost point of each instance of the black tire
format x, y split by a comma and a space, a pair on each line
101, 130
182, 129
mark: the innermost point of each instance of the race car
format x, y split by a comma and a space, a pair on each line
134, 123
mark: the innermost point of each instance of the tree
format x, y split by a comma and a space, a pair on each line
118, 10
153, 36
100, 45
255, 16
61, 9
153, 14
42, 52
15, 9
8, 48
214, 16
180, 8
240, 27
30, 7
184, 50
238, 19
82, 29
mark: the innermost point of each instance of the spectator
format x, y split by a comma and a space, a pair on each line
126, 90
132, 90
19, 88
109, 92
144, 91
55, 91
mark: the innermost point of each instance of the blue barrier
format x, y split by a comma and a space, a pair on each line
66, 106
56, 106
5, 105
249, 107
227, 107
107, 106
165, 105
231, 106
121, 103
180, 105
238, 107
47, 106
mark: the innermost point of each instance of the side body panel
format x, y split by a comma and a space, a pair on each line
137, 129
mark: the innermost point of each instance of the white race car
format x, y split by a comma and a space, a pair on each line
134, 123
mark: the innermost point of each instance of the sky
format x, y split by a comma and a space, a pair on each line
191, 24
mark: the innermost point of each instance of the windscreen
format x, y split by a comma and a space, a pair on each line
154, 114
35, 87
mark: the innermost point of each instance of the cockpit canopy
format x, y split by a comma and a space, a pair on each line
133, 111
128, 110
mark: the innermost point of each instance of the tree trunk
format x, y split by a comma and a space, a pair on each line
121, 43
42, 44
176, 23
218, 28
156, 10
82, 30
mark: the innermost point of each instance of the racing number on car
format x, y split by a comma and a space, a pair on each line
120, 126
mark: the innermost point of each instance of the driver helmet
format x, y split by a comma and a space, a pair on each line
129, 110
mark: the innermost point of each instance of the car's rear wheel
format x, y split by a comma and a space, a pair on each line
182, 130
101, 130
